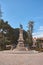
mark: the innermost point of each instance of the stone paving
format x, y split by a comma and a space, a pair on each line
20, 59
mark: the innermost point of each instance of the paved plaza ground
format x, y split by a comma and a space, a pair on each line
21, 59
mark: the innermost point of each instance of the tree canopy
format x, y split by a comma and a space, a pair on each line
10, 35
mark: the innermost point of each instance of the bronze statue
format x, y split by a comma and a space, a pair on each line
21, 26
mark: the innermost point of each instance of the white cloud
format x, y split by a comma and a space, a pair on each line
41, 28
39, 17
38, 34
35, 17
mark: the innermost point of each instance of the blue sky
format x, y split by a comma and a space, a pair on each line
22, 11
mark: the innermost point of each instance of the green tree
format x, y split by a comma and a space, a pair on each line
38, 43
30, 31
10, 35
4, 28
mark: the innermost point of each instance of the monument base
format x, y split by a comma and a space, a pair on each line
21, 47
15, 51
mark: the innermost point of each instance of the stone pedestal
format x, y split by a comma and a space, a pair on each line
20, 45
